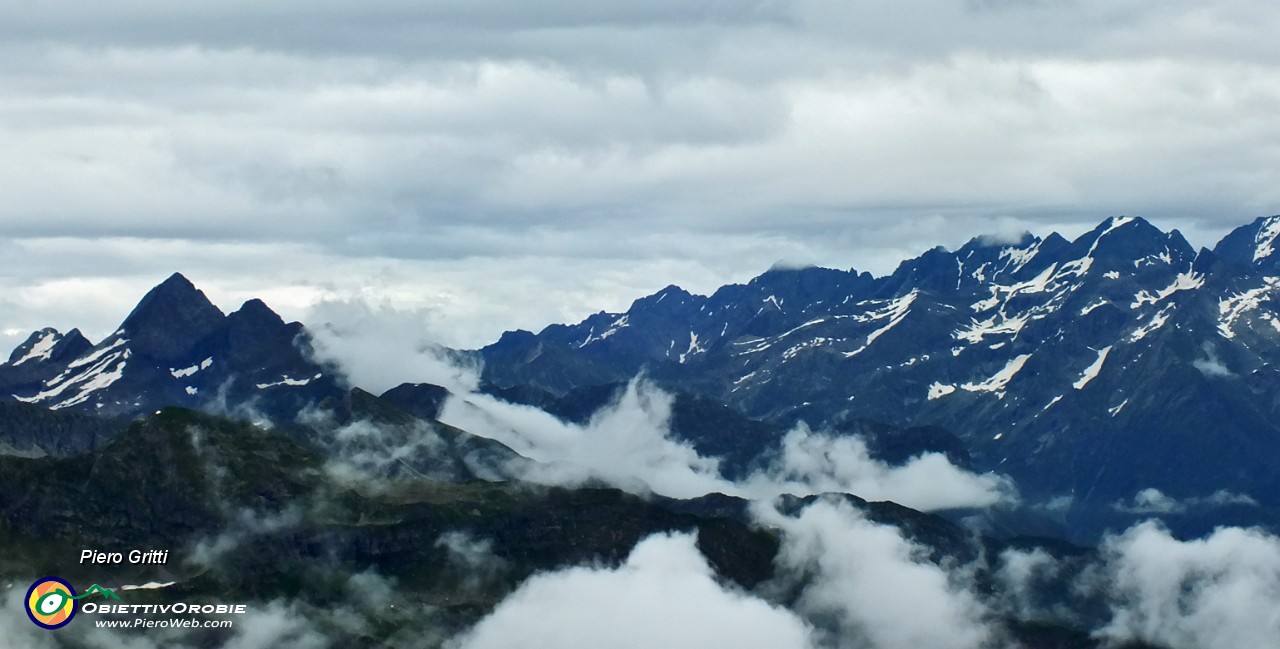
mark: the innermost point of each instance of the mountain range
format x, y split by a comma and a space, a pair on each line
1091, 369
1115, 377
1087, 370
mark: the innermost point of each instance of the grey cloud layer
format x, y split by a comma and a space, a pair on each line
532, 137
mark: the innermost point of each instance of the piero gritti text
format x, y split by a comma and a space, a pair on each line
132, 557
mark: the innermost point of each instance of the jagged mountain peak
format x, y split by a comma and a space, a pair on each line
671, 295
49, 345
257, 312
996, 242
1252, 245
1038, 352
170, 319
177, 348
1128, 245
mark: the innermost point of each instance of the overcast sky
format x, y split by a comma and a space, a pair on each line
492, 165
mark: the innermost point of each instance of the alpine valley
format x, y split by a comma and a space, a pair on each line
1037, 407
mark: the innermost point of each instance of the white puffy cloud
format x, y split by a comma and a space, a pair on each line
814, 463
1019, 576
664, 595
872, 588
1219, 591
380, 348
628, 444
625, 443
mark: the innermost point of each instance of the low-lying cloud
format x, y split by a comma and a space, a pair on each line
867, 586
1154, 501
1219, 591
628, 444
380, 347
664, 595
813, 463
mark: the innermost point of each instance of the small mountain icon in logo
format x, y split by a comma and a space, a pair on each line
106, 593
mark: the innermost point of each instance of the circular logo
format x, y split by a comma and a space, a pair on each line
50, 603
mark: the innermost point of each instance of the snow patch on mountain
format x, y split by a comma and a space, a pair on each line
999, 380
1187, 281
990, 327
1038, 284
1116, 410
74, 388
1157, 321
939, 390
614, 327
1091, 306
1266, 239
1232, 308
1090, 373
41, 351
191, 371
99, 353
694, 348
896, 311
289, 381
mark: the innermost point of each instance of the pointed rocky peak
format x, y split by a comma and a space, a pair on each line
671, 301
803, 276
1129, 243
937, 270
1206, 260
671, 292
1000, 258
516, 337
256, 313
48, 345
1255, 244
37, 347
170, 319
419, 399
791, 288
256, 335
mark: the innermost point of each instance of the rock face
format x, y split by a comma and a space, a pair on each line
170, 321
1093, 368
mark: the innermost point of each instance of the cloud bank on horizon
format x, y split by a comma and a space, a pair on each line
514, 166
